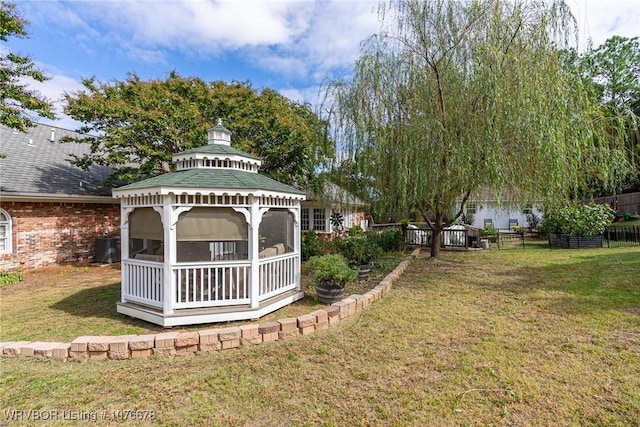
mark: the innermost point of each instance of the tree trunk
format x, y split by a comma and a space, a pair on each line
436, 228
435, 243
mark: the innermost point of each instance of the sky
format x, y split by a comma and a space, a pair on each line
292, 46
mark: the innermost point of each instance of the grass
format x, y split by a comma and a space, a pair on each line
78, 301
533, 337
630, 223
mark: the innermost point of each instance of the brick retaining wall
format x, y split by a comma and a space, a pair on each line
218, 339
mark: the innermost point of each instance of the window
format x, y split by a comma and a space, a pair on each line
5, 232
319, 220
527, 209
304, 219
471, 208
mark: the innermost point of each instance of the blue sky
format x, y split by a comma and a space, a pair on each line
289, 46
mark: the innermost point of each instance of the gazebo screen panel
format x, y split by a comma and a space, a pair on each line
210, 234
276, 232
146, 235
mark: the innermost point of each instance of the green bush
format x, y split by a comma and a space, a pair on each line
358, 250
489, 230
331, 269
581, 220
533, 221
9, 278
388, 240
356, 230
312, 245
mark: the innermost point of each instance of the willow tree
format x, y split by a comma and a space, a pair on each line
456, 96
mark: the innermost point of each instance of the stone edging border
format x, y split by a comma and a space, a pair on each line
173, 343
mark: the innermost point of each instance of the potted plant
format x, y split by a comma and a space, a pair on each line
579, 226
489, 232
329, 275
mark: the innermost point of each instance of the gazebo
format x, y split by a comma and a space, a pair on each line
212, 241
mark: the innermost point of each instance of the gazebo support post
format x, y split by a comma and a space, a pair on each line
168, 224
124, 246
254, 245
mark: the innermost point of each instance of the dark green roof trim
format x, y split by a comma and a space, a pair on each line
219, 126
219, 149
214, 179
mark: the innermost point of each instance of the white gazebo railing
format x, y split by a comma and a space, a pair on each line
278, 274
142, 282
212, 284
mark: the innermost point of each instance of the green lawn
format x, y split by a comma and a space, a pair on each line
63, 303
517, 337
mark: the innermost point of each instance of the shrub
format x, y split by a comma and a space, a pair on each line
468, 218
356, 230
331, 269
9, 278
388, 240
357, 250
312, 245
581, 220
533, 221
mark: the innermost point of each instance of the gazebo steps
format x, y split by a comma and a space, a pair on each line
193, 316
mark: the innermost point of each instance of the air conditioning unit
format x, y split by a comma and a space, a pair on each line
108, 250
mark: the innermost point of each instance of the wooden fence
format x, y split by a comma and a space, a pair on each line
627, 202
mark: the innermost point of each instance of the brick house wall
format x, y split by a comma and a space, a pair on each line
46, 233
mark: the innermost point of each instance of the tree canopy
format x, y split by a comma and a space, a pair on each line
137, 125
613, 69
456, 96
18, 103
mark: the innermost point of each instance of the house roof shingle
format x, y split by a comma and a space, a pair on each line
34, 165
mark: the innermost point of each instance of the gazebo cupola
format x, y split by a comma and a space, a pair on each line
211, 241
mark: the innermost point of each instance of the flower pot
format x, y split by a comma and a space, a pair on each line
328, 293
484, 243
364, 271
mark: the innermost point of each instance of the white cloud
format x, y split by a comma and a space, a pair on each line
294, 40
599, 20
331, 42
199, 24
54, 89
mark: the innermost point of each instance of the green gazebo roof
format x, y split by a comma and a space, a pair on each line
231, 179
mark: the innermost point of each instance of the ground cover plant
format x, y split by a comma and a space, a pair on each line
518, 337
